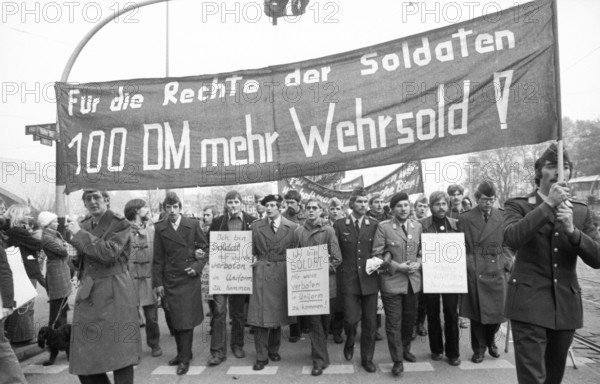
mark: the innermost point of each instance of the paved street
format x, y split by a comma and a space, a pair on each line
295, 365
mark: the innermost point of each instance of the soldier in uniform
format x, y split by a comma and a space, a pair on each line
488, 266
268, 309
359, 291
180, 249
549, 232
105, 335
398, 242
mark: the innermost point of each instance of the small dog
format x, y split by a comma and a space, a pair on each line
56, 340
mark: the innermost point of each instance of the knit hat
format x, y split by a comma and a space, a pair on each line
397, 198
45, 218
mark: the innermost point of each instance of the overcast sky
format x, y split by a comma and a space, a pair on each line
37, 38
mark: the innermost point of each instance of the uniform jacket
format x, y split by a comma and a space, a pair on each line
58, 273
356, 250
106, 334
174, 251
268, 304
321, 233
140, 262
543, 288
488, 266
390, 237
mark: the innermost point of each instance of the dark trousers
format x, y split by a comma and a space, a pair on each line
122, 376
318, 329
168, 320
421, 308
219, 329
400, 314
540, 353
364, 309
434, 326
300, 324
55, 305
483, 336
184, 339
266, 340
337, 323
152, 329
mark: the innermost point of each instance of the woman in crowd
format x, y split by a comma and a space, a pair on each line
58, 274
19, 326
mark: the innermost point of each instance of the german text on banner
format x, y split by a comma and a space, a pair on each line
308, 280
407, 178
484, 83
230, 263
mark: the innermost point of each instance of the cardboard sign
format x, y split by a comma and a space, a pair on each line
230, 263
444, 263
308, 280
24, 290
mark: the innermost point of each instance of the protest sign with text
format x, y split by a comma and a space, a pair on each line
444, 261
308, 280
230, 263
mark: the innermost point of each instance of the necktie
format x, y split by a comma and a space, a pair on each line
93, 224
486, 216
404, 229
356, 225
273, 226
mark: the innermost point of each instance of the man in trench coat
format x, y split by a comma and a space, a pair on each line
268, 309
488, 266
105, 333
179, 249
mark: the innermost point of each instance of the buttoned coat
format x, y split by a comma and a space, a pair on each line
58, 273
268, 303
356, 250
140, 262
543, 288
174, 251
390, 237
321, 232
488, 266
105, 333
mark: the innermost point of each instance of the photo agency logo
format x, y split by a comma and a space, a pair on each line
54, 12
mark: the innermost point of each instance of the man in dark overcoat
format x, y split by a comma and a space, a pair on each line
180, 247
268, 309
549, 232
359, 291
105, 333
488, 268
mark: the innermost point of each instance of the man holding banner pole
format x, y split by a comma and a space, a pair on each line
398, 242
233, 220
549, 232
317, 231
268, 308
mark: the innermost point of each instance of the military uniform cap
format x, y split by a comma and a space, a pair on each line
397, 198
359, 191
487, 188
269, 198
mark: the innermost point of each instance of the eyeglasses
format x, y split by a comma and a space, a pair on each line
312, 208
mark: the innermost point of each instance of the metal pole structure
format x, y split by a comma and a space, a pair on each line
559, 132
167, 57
60, 189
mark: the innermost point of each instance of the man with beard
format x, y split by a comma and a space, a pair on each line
488, 266
376, 211
398, 242
207, 218
106, 333
316, 231
358, 289
295, 214
268, 309
233, 220
140, 268
179, 256
439, 222
549, 232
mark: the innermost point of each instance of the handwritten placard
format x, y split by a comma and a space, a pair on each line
444, 263
24, 290
308, 280
230, 263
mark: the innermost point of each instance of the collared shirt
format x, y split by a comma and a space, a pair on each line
276, 222
176, 223
360, 221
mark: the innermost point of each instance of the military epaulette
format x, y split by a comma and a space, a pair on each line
385, 221
371, 218
256, 221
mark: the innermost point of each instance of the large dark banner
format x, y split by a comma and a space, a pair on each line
407, 177
481, 84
